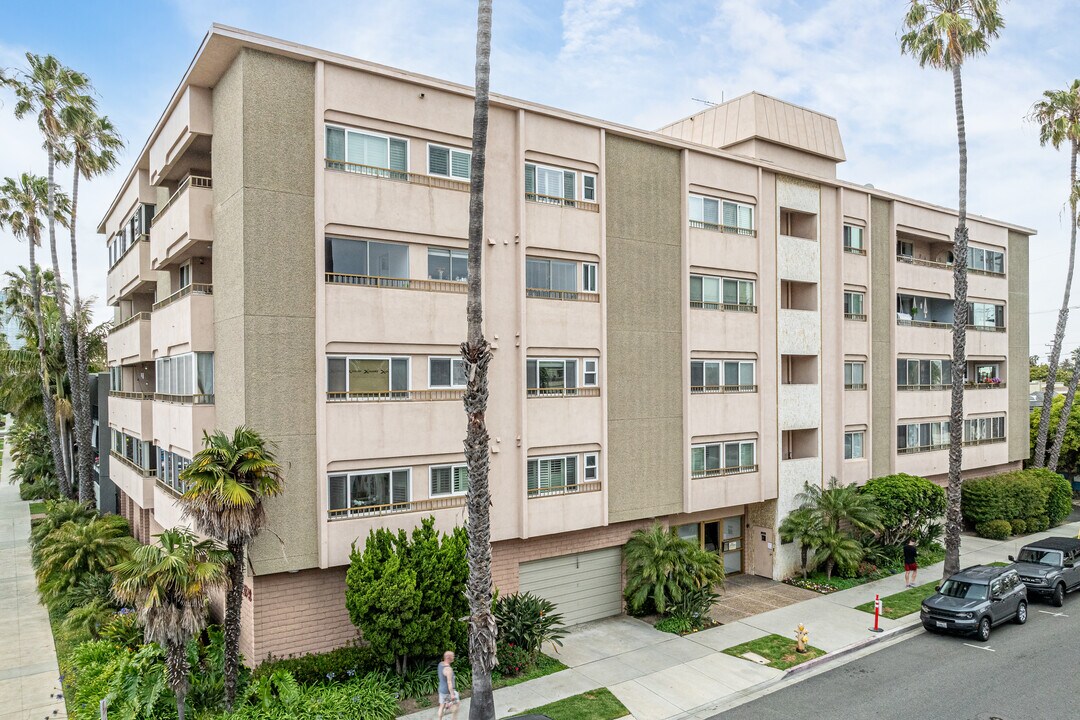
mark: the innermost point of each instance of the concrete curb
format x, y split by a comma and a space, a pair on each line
852, 648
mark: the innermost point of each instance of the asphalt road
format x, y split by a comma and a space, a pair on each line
1030, 675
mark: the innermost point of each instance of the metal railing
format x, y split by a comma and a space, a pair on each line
563, 392
145, 472
922, 387
718, 389
991, 273
923, 323
191, 289
858, 317
987, 328
397, 395
925, 263
565, 202
141, 238
435, 181
717, 472
983, 441
855, 386
447, 286
984, 386
574, 489
578, 296
365, 511
717, 227
133, 319
921, 449
190, 181
176, 492
198, 399
131, 395
854, 250
725, 307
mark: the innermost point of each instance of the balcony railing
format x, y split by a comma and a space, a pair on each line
946, 266
716, 227
855, 386
365, 511
189, 181
397, 395
719, 389
984, 386
564, 392
562, 295
991, 273
185, 399
987, 328
983, 441
565, 202
922, 387
192, 289
854, 250
145, 472
574, 489
726, 307
133, 319
435, 181
921, 449
446, 286
923, 323
857, 317
717, 472
140, 238
176, 492
131, 395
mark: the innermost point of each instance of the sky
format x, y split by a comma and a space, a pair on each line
642, 63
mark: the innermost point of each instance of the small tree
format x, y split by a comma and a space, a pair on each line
803, 527
907, 504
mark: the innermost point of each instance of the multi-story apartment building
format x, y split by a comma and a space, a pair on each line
688, 325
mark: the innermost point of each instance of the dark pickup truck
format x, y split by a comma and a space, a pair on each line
1050, 567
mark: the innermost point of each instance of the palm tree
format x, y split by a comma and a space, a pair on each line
57, 513
48, 89
942, 34
832, 515
77, 549
661, 566
836, 549
1066, 410
22, 204
476, 354
1058, 115
169, 584
226, 483
803, 527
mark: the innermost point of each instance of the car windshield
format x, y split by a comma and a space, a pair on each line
961, 589
1039, 556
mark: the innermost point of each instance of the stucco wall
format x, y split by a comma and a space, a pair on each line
1019, 422
644, 332
883, 319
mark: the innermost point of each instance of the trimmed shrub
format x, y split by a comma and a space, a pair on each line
994, 529
1019, 527
1019, 494
981, 500
1058, 495
513, 659
1038, 523
907, 504
342, 663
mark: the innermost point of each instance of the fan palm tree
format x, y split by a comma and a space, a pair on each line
834, 549
943, 34
22, 205
77, 549
803, 527
839, 506
476, 354
661, 566
1058, 116
169, 584
226, 484
1066, 411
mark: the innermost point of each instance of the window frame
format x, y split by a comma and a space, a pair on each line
558, 490
372, 133
720, 224
546, 199
849, 444
452, 359
722, 469
453, 467
590, 277
378, 280
449, 161
567, 391
848, 234
595, 467
389, 393
361, 510
720, 280
595, 187
721, 374
849, 297
450, 253
854, 385
585, 372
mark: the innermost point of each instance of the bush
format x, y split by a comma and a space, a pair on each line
342, 663
692, 609
994, 529
907, 504
674, 625
369, 697
1058, 495
513, 659
528, 621
1037, 523
1018, 494
660, 567
43, 489
1019, 527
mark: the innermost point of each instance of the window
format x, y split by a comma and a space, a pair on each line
141, 453
366, 262
926, 374
551, 377
721, 376
986, 315
592, 465
444, 264
981, 430
116, 375
550, 278
369, 492
446, 372
190, 374
589, 372
853, 445
919, 437
726, 458
990, 261
854, 376
184, 275
449, 480
551, 185
449, 162
379, 155
987, 373
367, 377
555, 474
853, 239
716, 293
853, 304
905, 248
588, 277
708, 213
588, 187
169, 467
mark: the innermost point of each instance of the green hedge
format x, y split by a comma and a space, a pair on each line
1033, 493
994, 529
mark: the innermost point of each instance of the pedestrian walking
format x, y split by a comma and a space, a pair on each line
448, 695
911, 565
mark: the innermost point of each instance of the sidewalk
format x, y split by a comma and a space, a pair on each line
29, 678
657, 675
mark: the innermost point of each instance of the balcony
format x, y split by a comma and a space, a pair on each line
563, 392
349, 525
397, 395
557, 324
184, 225
131, 273
721, 472
799, 406
137, 482
798, 259
129, 341
184, 322
190, 123
727, 411
798, 332
572, 295
559, 417
370, 429
168, 511
710, 492
132, 412
395, 310
716, 227
180, 420
559, 510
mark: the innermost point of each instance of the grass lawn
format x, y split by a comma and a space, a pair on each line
779, 650
597, 704
544, 666
904, 603
37, 508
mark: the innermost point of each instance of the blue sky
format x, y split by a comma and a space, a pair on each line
638, 62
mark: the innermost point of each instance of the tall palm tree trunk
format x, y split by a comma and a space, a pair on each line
234, 598
953, 517
476, 354
47, 400
177, 670
1066, 412
80, 380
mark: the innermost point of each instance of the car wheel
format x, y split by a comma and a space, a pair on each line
1058, 598
983, 633
1021, 613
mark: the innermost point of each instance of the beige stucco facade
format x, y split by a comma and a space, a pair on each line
704, 343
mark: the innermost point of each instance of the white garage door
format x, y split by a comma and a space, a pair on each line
586, 586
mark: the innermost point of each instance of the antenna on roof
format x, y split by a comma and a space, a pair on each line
708, 102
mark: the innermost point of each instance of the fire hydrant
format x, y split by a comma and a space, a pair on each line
801, 636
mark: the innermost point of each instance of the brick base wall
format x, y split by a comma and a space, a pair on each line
298, 613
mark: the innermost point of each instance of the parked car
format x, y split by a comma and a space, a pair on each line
1050, 567
974, 600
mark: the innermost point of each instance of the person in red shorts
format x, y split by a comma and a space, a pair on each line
911, 566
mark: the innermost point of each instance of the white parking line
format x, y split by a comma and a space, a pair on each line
979, 647
1055, 614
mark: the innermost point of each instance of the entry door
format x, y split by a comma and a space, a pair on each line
764, 548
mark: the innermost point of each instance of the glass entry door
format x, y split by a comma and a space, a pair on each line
724, 537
